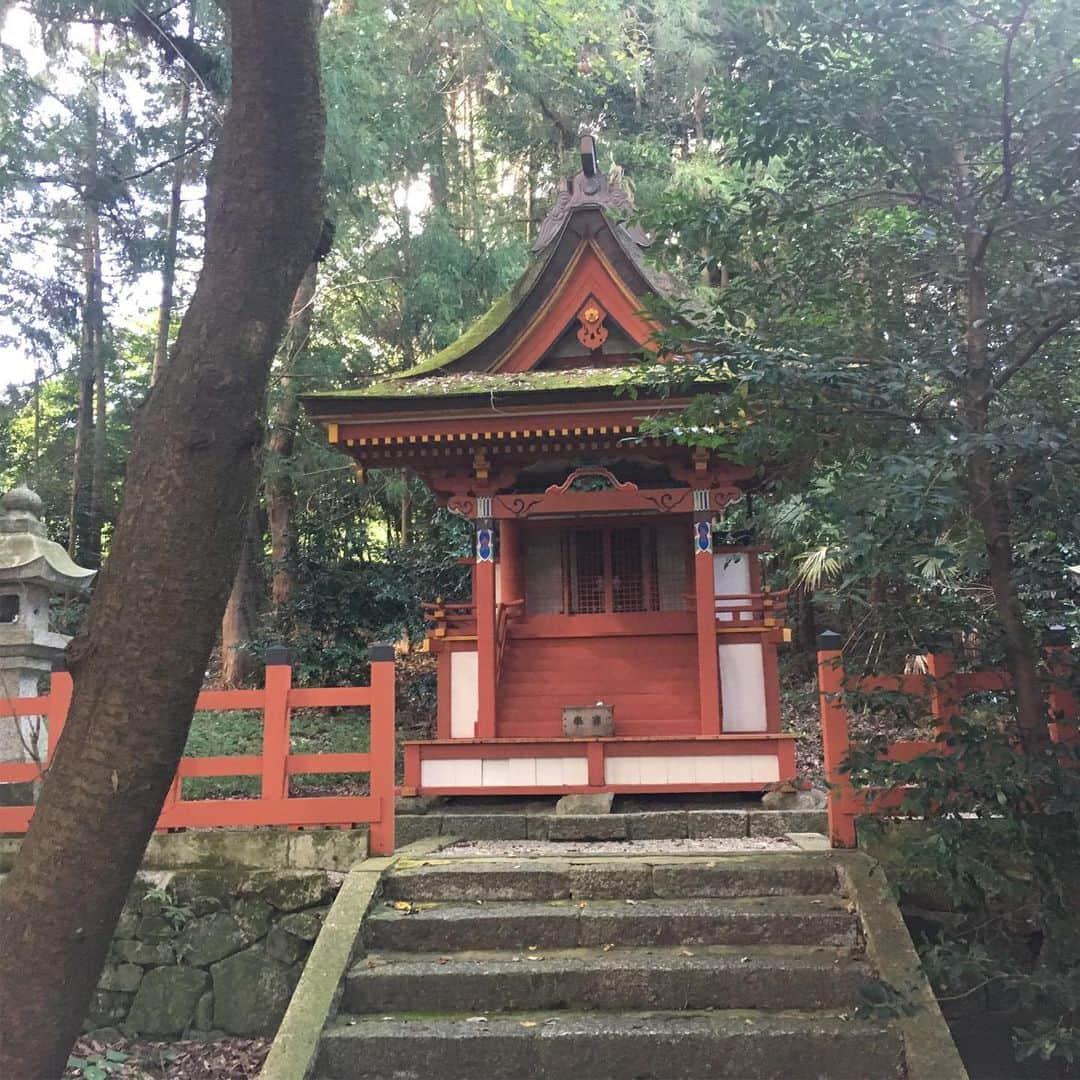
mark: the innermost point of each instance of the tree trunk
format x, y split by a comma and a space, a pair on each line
238, 623
98, 485
139, 663
172, 221
82, 469
406, 508
280, 492
990, 508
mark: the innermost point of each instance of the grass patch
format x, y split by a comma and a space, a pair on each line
313, 731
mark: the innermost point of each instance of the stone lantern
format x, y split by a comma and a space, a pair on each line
33, 568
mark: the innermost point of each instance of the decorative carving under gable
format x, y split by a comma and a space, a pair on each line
592, 333
518, 505
618, 498
590, 470
462, 505
583, 190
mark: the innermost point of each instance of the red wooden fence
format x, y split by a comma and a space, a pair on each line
945, 688
274, 805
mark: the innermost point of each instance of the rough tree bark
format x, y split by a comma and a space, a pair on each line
154, 618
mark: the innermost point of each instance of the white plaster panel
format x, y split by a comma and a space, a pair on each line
766, 768
731, 577
522, 772
464, 696
622, 770
575, 770
654, 770
711, 769
742, 687
676, 769
548, 771
739, 769
495, 772
467, 772
683, 769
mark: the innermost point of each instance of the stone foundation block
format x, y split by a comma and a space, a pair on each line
610, 882
409, 829
484, 826
779, 822
588, 827
166, 1001
211, 938
579, 805
124, 977
251, 993
146, 953
538, 827
108, 1007
661, 825
710, 824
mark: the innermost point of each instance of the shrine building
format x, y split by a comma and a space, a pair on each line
610, 644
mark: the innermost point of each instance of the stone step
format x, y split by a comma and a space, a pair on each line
708, 976
564, 924
602, 1046
772, 874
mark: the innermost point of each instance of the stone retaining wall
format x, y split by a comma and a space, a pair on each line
200, 951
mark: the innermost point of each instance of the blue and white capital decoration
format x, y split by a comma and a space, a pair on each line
485, 544
703, 537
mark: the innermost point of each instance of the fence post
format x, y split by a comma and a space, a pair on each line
59, 701
834, 738
944, 703
383, 748
1063, 710
275, 750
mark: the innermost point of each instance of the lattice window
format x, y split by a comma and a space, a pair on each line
672, 572
589, 576
628, 569
544, 572
593, 571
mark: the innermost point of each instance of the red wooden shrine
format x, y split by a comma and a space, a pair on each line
595, 577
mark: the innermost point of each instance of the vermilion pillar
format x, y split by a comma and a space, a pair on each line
484, 602
705, 602
511, 567
834, 739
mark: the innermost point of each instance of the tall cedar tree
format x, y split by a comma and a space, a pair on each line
139, 663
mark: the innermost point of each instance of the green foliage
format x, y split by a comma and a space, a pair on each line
863, 149
163, 899
239, 732
879, 1000
998, 838
98, 1066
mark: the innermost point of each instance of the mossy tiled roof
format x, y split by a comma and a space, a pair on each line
480, 382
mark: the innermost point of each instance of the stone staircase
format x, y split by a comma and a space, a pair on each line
740, 966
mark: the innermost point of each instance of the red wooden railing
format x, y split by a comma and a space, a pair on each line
504, 615
945, 688
751, 610
274, 805
450, 620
